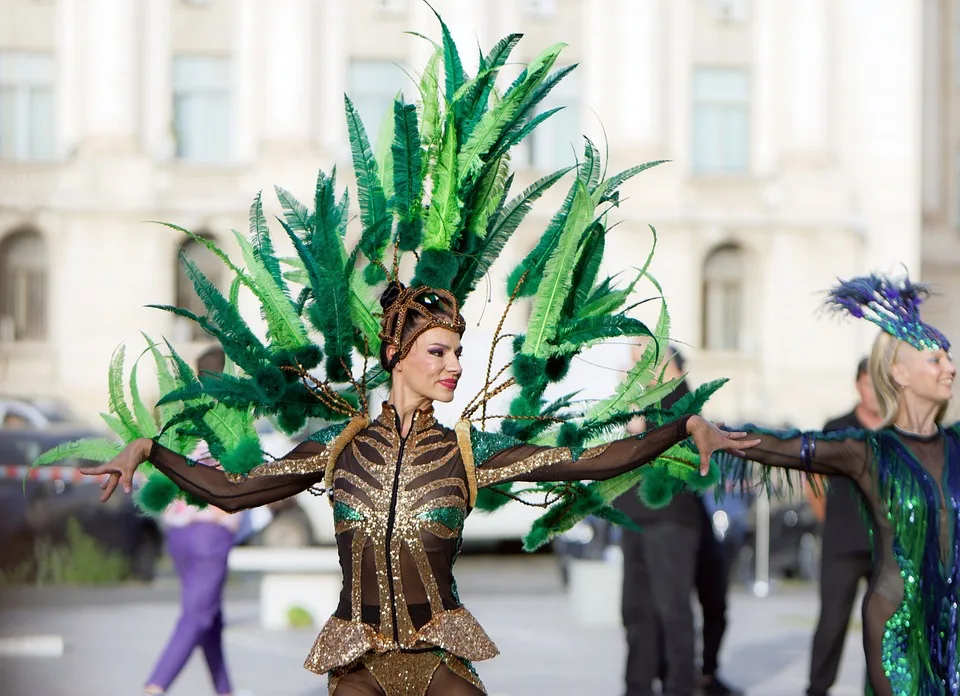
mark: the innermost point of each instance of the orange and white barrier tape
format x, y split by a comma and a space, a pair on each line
67, 474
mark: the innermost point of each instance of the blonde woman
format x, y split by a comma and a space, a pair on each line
908, 472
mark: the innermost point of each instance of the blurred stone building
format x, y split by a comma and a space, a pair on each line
800, 134
940, 235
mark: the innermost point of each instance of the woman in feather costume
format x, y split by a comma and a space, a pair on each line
402, 484
908, 472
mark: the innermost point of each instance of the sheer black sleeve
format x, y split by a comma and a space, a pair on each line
501, 459
839, 453
302, 468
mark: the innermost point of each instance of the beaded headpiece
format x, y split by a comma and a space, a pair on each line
892, 305
428, 307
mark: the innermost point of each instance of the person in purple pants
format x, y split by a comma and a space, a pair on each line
199, 542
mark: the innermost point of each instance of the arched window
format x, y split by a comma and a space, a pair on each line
723, 299
187, 297
23, 287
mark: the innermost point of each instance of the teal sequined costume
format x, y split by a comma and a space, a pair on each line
911, 490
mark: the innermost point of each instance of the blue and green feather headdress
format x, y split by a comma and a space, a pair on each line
892, 305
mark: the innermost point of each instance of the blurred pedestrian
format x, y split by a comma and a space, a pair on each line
846, 554
199, 542
712, 582
661, 567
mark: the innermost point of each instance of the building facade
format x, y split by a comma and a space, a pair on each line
941, 165
793, 134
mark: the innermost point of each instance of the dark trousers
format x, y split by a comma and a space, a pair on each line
659, 566
839, 577
712, 579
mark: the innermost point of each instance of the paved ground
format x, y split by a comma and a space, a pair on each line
112, 637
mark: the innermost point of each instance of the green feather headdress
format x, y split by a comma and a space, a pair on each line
440, 192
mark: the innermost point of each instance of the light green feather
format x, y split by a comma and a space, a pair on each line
443, 216
118, 404
430, 110
383, 153
499, 118
557, 277
93, 449
144, 417
285, 326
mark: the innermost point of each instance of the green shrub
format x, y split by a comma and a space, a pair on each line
298, 617
80, 560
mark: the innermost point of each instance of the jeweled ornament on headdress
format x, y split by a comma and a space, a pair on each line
893, 305
429, 307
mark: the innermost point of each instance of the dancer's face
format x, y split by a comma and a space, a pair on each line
432, 367
928, 374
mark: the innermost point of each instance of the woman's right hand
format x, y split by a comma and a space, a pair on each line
121, 468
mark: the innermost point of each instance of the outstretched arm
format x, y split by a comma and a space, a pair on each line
302, 468
501, 459
839, 453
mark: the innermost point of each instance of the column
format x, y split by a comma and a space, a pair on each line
289, 77
594, 69
247, 75
332, 81
68, 122
807, 69
109, 39
881, 92
639, 74
157, 86
679, 70
766, 88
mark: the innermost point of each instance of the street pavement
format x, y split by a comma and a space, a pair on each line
113, 635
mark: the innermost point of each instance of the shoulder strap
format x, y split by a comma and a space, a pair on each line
338, 444
462, 428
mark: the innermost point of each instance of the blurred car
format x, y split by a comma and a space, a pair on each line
36, 413
729, 518
41, 506
795, 538
588, 540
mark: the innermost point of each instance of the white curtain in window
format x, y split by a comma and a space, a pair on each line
723, 299
23, 290
558, 141
187, 297
27, 105
372, 86
202, 108
721, 120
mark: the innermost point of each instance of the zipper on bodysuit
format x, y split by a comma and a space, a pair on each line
391, 518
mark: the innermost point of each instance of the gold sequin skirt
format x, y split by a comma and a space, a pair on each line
405, 673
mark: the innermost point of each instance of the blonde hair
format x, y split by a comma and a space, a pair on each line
882, 358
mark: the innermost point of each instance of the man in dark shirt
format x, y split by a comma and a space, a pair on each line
846, 555
661, 565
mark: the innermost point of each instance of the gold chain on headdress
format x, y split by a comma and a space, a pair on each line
410, 300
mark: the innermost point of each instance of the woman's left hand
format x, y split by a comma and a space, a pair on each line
709, 438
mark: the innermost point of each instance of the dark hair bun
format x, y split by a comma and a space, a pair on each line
391, 293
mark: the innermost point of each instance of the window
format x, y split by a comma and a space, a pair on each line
187, 297
723, 299
734, 11
372, 86
202, 109
721, 120
540, 9
23, 287
558, 141
26, 105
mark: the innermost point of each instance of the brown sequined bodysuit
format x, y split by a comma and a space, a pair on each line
399, 504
